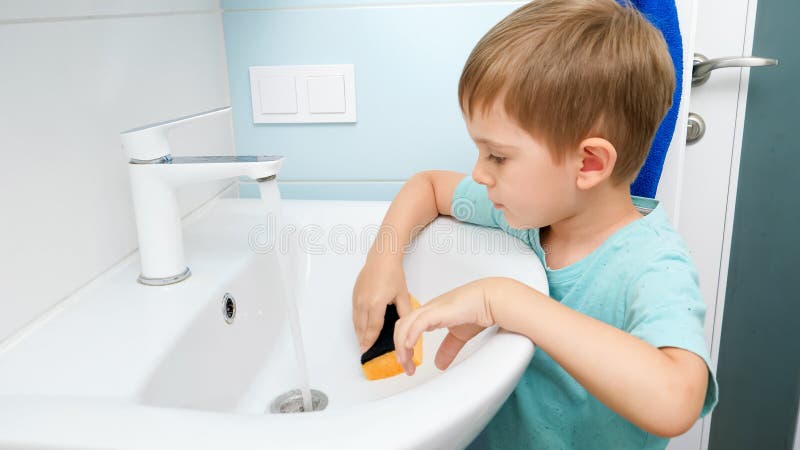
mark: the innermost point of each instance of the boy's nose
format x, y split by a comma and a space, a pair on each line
481, 176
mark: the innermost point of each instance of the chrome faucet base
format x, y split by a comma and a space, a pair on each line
165, 281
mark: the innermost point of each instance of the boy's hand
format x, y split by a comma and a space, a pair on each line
465, 311
380, 283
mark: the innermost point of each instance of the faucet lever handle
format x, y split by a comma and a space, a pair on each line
149, 142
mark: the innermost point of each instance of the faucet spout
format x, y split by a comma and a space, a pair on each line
192, 169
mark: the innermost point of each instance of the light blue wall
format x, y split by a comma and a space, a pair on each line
408, 58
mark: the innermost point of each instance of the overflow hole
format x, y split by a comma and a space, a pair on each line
228, 308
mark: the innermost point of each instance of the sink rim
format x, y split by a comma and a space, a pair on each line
149, 426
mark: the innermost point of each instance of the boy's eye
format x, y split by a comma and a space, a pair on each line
496, 159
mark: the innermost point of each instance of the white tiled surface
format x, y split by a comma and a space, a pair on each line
67, 88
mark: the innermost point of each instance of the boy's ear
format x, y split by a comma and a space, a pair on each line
597, 158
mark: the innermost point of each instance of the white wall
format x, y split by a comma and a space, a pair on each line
72, 76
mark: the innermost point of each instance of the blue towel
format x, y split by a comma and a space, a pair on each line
664, 15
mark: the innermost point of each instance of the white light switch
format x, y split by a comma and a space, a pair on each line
326, 94
278, 95
300, 94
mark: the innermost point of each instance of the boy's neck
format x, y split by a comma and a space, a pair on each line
602, 213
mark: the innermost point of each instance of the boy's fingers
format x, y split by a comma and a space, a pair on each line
423, 322
402, 357
448, 351
401, 350
360, 319
403, 304
407, 332
362, 335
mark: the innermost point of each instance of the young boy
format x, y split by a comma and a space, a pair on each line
563, 98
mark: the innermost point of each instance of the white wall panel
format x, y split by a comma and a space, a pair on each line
67, 88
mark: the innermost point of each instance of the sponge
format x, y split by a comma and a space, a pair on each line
380, 361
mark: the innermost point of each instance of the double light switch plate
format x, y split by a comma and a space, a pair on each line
303, 94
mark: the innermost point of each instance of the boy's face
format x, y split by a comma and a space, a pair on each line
526, 184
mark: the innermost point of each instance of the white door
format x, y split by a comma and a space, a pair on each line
699, 180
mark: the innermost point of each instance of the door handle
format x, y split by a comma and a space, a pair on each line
702, 66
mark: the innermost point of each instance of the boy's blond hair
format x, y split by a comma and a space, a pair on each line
573, 69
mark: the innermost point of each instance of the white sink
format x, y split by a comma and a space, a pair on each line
122, 365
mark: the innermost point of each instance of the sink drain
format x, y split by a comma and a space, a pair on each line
292, 402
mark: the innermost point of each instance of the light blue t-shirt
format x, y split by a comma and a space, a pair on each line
640, 280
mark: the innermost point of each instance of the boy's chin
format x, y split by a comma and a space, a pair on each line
515, 222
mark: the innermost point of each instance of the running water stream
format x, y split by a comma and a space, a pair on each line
295, 279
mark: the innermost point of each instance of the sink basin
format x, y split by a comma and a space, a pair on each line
122, 365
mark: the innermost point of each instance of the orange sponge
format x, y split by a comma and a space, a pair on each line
380, 361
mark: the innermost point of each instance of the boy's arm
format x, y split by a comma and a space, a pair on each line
424, 196
381, 282
660, 390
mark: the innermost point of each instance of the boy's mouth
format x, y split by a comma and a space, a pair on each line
496, 204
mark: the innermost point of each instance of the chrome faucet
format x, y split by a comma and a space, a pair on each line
155, 174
